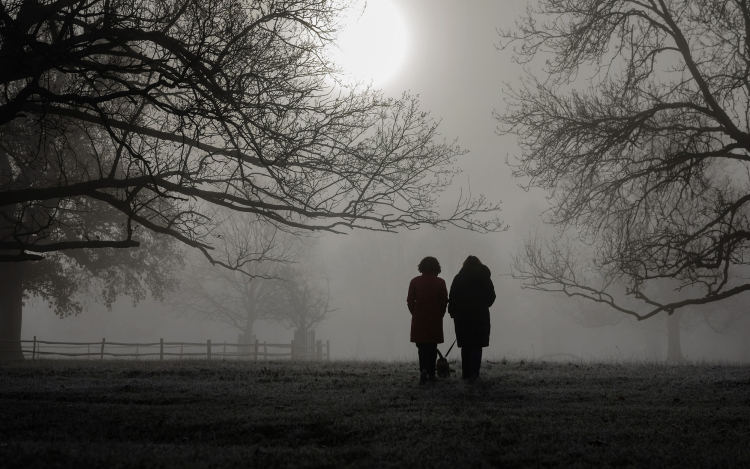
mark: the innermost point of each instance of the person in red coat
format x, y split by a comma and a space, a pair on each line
427, 302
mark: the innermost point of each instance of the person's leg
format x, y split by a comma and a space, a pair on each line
431, 359
477, 361
422, 358
472, 359
465, 362
422, 352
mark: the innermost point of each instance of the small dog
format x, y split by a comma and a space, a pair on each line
442, 367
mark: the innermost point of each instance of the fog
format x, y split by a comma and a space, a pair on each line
453, 64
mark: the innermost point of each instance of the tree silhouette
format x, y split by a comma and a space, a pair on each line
647, 164
238, 298
303, 301
163, 111
68, 279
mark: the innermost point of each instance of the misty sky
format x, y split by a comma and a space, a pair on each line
453, 64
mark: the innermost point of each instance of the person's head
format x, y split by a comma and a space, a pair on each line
472, 260
429, 264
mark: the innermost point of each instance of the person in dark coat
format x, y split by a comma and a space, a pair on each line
472, 294
427, 301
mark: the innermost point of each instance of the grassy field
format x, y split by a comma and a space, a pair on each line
180, 414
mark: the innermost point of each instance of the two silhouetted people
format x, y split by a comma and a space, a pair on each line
471, 295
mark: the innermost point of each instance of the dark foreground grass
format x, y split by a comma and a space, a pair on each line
180, 414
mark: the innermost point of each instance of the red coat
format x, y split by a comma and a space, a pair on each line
427, 300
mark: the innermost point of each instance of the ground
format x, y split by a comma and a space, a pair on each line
184, 414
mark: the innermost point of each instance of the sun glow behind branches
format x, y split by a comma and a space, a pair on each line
372, 44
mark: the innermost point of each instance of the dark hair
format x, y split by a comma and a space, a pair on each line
429, 264
472, 260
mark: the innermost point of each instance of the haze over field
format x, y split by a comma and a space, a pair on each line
452, 62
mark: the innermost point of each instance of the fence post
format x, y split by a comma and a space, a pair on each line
33, 350
256, 349
208, 349
292, 358
328, 350
101, 356
319, 350
161, 348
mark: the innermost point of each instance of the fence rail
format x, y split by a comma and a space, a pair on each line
254, 351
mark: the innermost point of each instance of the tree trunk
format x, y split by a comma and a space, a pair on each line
11, 309
248, 343
251, 316
674, 349
300, 341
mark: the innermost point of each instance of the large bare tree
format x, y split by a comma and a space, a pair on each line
634, 117
230, 103
163, 110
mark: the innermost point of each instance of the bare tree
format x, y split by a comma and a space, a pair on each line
68, 281
303, 297
647, 164
226, 103
557, 266
238, 298
162, 111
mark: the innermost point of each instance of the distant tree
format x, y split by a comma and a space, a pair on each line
68, 281
558, 267
647, 164
238, 298
164, 110
303, 297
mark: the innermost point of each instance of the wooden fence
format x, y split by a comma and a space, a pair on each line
35, 349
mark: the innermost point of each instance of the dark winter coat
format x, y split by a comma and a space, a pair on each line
472, 294
427, 300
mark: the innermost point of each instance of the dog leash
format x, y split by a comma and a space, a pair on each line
449, 350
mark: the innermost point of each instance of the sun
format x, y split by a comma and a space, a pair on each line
372, 44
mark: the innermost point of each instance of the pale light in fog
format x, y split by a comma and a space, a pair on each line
372, 45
